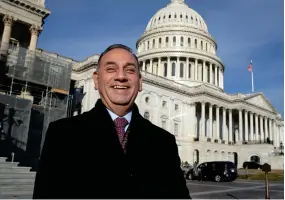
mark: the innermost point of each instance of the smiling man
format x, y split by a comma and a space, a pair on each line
110, 151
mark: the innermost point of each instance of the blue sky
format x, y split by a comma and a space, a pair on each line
243, 29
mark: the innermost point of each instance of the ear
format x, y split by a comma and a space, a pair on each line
95, 79
140, 82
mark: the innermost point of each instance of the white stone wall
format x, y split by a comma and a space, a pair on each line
176, 113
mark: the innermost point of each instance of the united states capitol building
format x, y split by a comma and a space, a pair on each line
183, 92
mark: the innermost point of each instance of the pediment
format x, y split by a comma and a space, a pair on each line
260, 101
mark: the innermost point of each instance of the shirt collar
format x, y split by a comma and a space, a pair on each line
114, 116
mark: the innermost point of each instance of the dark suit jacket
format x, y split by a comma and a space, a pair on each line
82, 158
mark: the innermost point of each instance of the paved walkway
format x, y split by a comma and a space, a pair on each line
239, 189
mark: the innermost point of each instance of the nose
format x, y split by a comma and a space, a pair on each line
121, 75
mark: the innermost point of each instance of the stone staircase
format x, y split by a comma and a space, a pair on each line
15, 182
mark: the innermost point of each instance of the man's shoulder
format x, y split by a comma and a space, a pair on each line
71, 121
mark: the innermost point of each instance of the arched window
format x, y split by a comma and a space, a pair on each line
166, 41
159, 42
189, 42
189, 71
181, 70
165, 69
147, 44
146, 115
195, 43
202, 45
173, 69
174, 41
206, 46
153, 43
182, 41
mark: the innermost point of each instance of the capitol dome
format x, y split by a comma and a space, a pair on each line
177, 45
177, 13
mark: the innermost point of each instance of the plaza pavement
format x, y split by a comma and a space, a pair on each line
239, 189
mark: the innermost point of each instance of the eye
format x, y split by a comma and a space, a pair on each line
131, 70
110, 69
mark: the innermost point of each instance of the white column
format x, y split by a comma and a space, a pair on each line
151, 66
8, 23
277, 136
251, 126
35, 31
187, 69
224, 125
144, 65
240, 126
274, 134
204, 72
216, 75
202, 133
266, 127
246, 125
186, 131
270, 130
221, 78
196, 69
256, 128
211, 73
168, 68
261, 129
217, 122
210, 132
200, 72
193, 116
230, 126
280, 135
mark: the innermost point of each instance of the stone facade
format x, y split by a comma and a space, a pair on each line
183, 87
183, 92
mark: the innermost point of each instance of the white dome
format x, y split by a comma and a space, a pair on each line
177, 13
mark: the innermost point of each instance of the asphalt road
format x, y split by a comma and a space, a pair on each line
239, 189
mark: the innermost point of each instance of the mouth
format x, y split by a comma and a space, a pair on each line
121, 87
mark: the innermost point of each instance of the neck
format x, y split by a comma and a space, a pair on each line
120, 110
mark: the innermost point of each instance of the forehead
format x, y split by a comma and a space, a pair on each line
118, 56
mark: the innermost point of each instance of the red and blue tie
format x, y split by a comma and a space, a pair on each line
120, 124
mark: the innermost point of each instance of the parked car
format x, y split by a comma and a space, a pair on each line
251, 165
214, 171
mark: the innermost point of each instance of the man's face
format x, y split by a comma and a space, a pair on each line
118, 79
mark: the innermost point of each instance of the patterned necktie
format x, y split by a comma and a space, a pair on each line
120, 124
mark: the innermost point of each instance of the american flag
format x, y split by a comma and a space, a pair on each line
250, 66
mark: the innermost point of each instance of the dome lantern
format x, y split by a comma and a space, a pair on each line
177, 1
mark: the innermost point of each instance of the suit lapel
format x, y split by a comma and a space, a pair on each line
106, 134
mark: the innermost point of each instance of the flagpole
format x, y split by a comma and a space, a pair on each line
252, 85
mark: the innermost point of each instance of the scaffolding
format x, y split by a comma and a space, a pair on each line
37, 84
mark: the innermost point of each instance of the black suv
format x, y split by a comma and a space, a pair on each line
214, 171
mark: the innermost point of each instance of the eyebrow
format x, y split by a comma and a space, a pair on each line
110, 63
114, 63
